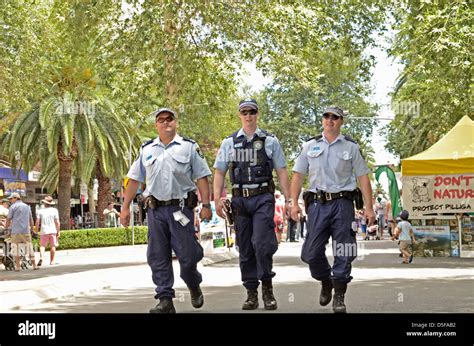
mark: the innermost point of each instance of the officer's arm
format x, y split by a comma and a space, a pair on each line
366, 188
203, 187
284, 182
295, 189
219, 178
130, 194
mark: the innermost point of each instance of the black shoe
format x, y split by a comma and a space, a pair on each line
269, 300
165, 306
197, 299
252, 300
326, 293
338, 305
410, 259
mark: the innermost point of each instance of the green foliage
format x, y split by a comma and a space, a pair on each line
100, 237
434, 90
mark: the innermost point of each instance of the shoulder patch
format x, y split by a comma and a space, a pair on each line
350, 139
189, 140
199, 152
315, 137
147, 142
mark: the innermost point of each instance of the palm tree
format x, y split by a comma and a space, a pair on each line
65, 135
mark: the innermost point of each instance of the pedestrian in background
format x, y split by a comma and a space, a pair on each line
47, 222
406, 236
21, 221
170, 164
334, 164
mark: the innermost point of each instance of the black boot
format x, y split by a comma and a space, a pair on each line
269, 300
252, 300
165, 306
326, 292
197, 299
338, 305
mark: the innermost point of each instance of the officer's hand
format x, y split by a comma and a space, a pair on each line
205, 214
219, 208
370, 215
295, 212
125, 217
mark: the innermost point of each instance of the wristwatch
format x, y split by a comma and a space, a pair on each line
207, 205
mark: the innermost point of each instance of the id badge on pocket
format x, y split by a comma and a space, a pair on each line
180, 217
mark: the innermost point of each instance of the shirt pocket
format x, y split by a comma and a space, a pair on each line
150, 166
344, 162
181, 164
315, 161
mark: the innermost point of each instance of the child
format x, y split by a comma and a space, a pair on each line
405, 234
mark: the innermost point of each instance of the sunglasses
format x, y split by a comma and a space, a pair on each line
168, 119
331, 116
250, 112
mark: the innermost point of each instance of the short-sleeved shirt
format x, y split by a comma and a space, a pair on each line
405, 228
169, 170
272, 148
332, 167
20, 214
48, 216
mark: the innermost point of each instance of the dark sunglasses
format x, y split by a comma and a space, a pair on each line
249, 112
331, 116
168, 119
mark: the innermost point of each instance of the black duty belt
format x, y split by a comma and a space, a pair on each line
323, 197
154, 203
236, 192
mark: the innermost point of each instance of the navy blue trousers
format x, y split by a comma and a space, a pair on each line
255, 237
165, 234
331, 219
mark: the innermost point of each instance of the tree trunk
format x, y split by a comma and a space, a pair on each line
64, 184
104, 194
91, 201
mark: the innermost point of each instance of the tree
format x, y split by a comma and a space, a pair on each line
434, 90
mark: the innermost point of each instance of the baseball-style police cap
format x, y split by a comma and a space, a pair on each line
165, 110
252, 103
14, 195
334, 110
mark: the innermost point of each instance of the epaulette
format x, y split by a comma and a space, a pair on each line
315, 137
350, 139
189, 140
147, 142
266, 133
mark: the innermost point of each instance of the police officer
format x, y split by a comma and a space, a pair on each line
170, 163
251, 154
333, 162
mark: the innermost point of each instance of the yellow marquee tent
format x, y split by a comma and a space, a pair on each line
452, 154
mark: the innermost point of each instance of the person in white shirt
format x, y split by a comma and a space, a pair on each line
111, 215
48, 220
3, 212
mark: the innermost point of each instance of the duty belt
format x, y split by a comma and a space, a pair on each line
236, 192
323, 197
154, 203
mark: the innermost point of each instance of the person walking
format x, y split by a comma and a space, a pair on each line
334, 164
21, 221
406, 236
47, 221
111, 215
250, 154
170, 164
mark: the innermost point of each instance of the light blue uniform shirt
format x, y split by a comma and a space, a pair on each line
331, 167
20, 214
272, 148
169, 170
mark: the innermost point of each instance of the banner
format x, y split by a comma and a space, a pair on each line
433, 194
432, 241
393, 192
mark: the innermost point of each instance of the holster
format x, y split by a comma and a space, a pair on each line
192, 200
307, 198
358, 198
229, 215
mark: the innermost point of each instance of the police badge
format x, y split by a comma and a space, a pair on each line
198, 150
257, 145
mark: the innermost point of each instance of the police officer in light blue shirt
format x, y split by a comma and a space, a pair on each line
250, 155
169, 165
334, 165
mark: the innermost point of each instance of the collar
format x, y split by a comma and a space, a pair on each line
177, 139
258, 132
340, 137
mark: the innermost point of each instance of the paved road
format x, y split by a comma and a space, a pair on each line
381, 285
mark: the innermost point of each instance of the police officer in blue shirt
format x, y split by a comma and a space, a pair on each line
170, 164
250, 155
334, 163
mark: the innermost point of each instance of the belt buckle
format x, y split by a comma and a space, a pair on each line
327, 196
245, 192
